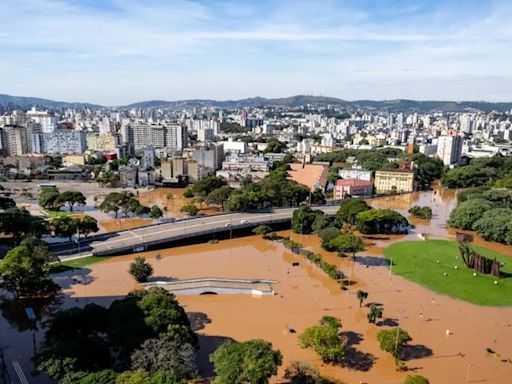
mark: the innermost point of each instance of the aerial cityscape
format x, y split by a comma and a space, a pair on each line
255, 192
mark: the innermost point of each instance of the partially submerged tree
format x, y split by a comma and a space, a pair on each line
252, 362
361, 296
262, 229
325, 339
416, 379
190, 209
71, 198
24, 270
393, 340
375, 313
155, 212
140, 269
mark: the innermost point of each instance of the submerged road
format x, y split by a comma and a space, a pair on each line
138, 239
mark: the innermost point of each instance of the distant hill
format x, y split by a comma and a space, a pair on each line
399, 105
396, 106
29, 102
402, 105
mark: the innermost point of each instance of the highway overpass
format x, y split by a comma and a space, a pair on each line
159, 235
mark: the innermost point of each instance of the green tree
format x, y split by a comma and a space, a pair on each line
252, 361
108, 179
495, 225
318, 197
323, 221
71, 198
6, 203
424, 213
155, 212
24, 271
375, 313
87, 225
275, 146
349, 209
106, 376
262, 230
165, 355
325, 339
416, 379
204, 186
303, 219
140, 269
299, 372
111, 203
64, 226
19, 223
333, 174
393, 341
190, 209
385, 221
468, 212
219, 196
469, 176
347, 242
361, 296
327, 235
55, 162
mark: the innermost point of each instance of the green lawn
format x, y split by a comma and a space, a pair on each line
77, 263
426, 262
53, 214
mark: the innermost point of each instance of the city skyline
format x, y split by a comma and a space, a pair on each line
116, 53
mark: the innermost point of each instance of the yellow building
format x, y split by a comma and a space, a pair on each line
74, 159
102, 142
394, 180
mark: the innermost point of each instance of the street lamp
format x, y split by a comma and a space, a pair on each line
78, 239
468, 372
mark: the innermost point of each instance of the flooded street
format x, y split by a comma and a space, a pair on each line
304, 294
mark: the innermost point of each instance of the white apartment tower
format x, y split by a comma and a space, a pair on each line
449, 149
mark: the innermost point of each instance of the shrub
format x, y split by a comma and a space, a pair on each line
424, 213
416, 379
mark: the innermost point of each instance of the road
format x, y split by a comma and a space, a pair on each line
137, 239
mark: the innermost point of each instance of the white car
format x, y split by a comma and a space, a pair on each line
244, 221
227, 225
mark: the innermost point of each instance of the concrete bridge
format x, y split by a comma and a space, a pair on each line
160, 235
216, 285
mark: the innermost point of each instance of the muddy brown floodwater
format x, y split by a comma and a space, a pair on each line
305, 294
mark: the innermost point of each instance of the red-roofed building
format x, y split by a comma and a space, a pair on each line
352, 187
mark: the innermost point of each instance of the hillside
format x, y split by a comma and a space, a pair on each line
399, 105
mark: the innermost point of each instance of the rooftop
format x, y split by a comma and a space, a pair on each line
353, 183
311, 175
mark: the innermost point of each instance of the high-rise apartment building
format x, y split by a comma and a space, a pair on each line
176, 136
47, 120
14, 140
449, 149
59, 142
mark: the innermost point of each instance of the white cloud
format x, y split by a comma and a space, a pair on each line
132, 50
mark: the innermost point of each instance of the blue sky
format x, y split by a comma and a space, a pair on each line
119, 51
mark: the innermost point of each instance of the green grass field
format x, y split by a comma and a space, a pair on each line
53, 214
77, 263
426, 262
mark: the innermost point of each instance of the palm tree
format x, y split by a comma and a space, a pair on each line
361, 296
